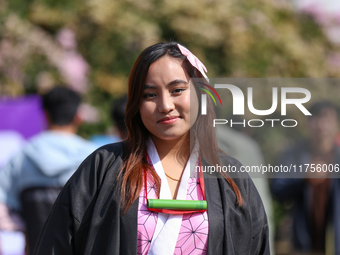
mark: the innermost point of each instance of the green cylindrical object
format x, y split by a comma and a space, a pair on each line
177, 204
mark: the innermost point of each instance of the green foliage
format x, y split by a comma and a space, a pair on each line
232, 38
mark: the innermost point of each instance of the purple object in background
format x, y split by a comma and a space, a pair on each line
22, 114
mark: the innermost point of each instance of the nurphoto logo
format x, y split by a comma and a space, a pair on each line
238, 106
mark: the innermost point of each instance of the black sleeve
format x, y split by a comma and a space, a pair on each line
66, 229
258, 218
57, 235
255, 216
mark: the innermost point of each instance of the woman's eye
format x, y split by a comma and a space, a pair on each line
149, 95
176, 91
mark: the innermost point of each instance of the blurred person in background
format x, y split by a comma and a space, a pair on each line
12, 241
21, 118
117, 116
316, 208
10, 143
30, 182
244, 148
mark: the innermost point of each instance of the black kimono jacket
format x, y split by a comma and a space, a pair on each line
87, 217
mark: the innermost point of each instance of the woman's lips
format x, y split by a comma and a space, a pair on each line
168, 120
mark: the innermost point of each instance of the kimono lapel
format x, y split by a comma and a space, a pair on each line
168, 226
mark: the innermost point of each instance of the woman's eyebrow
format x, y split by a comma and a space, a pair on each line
146, 86
176, 82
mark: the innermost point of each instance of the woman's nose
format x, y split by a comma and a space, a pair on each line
166, 104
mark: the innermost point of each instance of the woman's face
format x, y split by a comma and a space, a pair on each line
165, 103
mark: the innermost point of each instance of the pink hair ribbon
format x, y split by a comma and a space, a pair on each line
194, 61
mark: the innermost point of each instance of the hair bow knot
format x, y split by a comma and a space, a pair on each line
194, 61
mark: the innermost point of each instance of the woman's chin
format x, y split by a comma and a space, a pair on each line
170, 138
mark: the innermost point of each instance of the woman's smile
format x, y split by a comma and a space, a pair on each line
168, 120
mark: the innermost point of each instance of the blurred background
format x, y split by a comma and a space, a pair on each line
91, 45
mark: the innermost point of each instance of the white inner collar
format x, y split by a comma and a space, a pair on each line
168, 225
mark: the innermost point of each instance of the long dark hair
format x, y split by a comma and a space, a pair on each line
137, 136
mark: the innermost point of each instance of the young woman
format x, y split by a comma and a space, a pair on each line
107, 206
